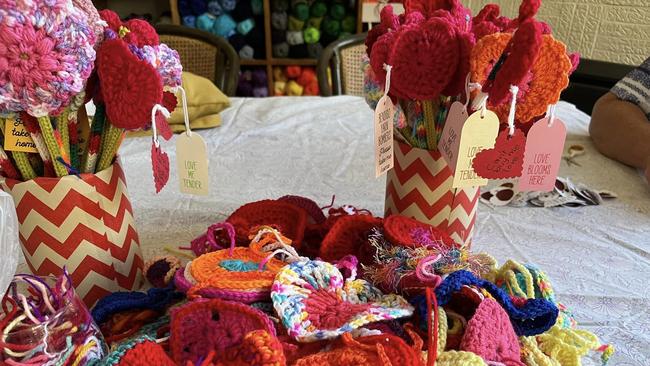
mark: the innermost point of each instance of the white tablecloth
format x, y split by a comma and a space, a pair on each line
597, 257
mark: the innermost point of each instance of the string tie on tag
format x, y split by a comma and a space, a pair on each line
186, 117
551, 114
157, 108
388, 69
513, 105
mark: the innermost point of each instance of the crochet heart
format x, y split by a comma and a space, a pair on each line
199, 327
258, 348
289, 219
379, 55
141, 352
130, 87
489, 334
505, 160
415, 74
349, 236
314, 302
404, 231
160, 167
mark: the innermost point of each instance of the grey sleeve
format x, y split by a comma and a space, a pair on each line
635, 87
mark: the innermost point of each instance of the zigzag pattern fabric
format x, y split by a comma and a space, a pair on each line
419, 186
84, 223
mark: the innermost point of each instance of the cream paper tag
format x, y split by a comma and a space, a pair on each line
384, 135
478, 133
192, 163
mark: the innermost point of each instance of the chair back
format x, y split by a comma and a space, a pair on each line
343, 58
204, 54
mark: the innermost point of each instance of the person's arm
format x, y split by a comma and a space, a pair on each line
621, 131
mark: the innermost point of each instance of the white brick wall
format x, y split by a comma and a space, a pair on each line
610, 30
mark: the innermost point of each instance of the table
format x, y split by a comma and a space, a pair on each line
597, 257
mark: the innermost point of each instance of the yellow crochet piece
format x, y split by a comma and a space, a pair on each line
508, 275
564, 346
531, 355
459, 358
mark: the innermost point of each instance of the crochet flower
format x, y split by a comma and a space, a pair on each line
166, 61
46, 55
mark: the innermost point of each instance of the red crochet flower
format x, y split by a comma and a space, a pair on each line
130, 87
111, 18
416, 73
388, 21
141, 33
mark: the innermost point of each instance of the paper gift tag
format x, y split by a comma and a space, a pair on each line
192, 163
450, 138
17, 138
543, 155
478, 133
505, 160
384, 135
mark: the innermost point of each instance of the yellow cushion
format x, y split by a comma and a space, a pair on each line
204, 103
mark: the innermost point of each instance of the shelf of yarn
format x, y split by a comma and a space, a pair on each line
253, 82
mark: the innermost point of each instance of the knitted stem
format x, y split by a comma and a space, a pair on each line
110, 146
62, 127
90, 156
22, 163
7, 167
50, 141
428, 108
74, 148
406, 130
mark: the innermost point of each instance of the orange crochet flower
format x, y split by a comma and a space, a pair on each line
550, 74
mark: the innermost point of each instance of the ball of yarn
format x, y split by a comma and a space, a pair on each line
224, 26
300, 11
246, 75
295, 24
244, 87
337, 11
160, 270
318, 9
184, 8
198, 6
280, 5
314, 50
279, 20
281, 50
312, 88
343, 35
298, 51
189, 21
261, 92
237, 41
293, 89
311, 35
279, 75
293, 72
315, 22
278, 87
257, 7
215, 8
278, 36
245, 26
331, 27
247, 52
205, 22
349, 24
259, 78
295, 38
306, 76
228, 5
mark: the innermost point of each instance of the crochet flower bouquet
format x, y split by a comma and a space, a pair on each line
68, 187
436, 54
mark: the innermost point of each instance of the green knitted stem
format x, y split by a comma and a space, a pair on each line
95, 130
50, 141
111, 144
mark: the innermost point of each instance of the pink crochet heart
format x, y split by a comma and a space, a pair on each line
424, 58
490, 335
160, 166
379, 55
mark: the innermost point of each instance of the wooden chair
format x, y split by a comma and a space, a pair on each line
591, 80
343, 58
204, 54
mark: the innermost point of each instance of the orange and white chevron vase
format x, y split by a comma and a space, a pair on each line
419, 186
84, 223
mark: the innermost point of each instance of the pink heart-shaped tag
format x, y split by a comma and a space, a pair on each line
505, 160
160, 167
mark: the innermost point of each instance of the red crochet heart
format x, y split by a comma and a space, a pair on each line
349, 236
379, 55
417, 73
146, 353
141, 33
505, 160
400, 229
328, 311
160, 167
130, 87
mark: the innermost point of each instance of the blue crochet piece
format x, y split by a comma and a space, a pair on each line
237, 265
535, 317
154, 299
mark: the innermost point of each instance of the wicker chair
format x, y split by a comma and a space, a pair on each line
343, 58
204, 54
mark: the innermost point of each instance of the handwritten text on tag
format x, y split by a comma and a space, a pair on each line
450, 138
384, 135
17, 138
